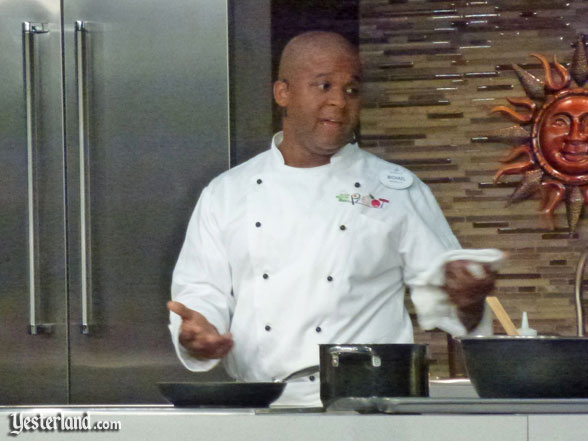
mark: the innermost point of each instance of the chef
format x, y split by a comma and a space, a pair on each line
314, 241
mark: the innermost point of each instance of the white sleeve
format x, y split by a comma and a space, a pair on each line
426, 233
202, 278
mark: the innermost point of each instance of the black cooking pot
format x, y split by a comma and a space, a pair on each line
527, 367
380, 370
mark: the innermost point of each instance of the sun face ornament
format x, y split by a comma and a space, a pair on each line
555, 150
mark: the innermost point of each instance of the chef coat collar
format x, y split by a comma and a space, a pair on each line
344, 157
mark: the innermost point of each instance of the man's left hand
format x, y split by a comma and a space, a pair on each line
468, 283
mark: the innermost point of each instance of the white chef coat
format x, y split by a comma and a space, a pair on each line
288, 258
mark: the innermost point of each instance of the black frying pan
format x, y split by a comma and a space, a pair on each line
228, 394
222, 394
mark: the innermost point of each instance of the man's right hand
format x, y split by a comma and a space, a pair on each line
198, 336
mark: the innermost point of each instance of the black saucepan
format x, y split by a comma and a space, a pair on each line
375, 370
228, 394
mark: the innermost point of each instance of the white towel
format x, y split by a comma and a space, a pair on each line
433, 307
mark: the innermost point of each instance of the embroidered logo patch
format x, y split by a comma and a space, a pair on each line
367, 200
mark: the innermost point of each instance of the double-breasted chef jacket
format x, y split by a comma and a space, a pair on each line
288, 258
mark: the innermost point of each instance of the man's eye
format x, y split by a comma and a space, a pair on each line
325, 86
352, 90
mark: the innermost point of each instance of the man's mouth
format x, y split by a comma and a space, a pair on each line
331, 121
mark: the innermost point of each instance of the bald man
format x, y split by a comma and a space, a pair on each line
314, 241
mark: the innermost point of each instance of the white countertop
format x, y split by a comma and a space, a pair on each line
432, 418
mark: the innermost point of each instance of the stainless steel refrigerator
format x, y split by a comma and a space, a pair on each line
113, 116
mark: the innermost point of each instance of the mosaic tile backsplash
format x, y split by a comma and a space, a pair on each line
433, 71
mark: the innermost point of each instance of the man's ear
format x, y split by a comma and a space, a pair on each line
281, 93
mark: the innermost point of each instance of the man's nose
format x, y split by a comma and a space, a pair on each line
337, 97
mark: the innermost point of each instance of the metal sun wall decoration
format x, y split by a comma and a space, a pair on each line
555, 150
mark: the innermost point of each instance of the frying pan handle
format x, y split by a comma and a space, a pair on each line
300, 373
335, 351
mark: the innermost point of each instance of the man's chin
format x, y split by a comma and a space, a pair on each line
328, 150
334, 145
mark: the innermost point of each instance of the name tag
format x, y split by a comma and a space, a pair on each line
396, 177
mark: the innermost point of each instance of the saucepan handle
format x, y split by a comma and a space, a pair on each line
335, 351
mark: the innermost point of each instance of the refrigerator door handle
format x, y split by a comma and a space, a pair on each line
85, 237
28, 31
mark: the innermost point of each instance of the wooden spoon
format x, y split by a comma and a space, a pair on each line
502, 316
